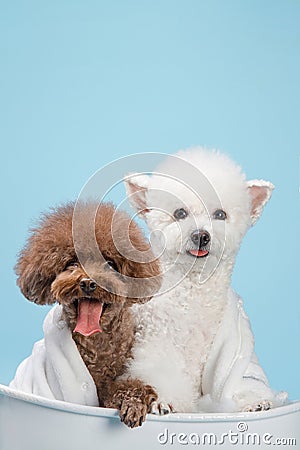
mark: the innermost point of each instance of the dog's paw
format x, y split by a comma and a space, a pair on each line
264, 405
133, 399
161, 408
133, 413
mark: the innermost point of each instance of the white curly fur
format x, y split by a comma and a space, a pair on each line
177, 328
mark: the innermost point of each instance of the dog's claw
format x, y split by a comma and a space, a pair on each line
161, 408
264, 405
123, 416
134, 415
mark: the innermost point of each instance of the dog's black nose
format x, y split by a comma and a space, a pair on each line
200, 238
87, 285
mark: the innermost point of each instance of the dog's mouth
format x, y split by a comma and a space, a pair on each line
89, 313
198, 253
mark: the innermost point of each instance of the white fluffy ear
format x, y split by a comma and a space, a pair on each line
260, 192
136, 185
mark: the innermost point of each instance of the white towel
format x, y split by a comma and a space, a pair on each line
232, 377
55, 369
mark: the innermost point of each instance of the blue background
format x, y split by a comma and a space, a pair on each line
85, 82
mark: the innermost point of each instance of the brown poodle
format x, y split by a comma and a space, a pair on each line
93, 289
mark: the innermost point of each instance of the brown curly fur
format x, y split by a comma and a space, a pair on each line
49, 271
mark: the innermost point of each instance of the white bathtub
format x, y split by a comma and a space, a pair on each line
28, 422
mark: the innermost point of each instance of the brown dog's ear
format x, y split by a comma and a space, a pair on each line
137, 263
46, 254
144, 280
35, 285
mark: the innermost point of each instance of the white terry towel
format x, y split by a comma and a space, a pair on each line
55, 369
232, 377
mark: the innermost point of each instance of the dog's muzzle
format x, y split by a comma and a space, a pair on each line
89, 309
87, 285
201, 240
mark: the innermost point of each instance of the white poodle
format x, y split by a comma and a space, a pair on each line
194, 341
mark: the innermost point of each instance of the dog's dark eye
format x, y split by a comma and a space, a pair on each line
72, 265
112, 265
180, 214
219, 214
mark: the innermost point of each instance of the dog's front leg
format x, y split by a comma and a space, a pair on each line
132, 398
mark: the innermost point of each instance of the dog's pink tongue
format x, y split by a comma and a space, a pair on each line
199, 252
88, 317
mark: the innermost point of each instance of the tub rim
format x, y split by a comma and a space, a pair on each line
95, 411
